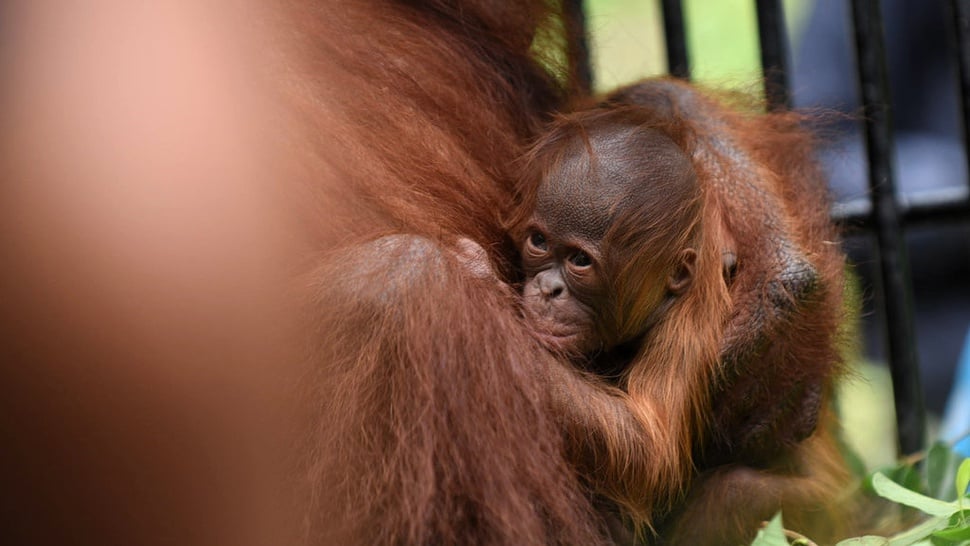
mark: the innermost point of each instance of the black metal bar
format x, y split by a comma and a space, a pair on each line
961, 31
772, 38
576, 19
894, 268
678, 63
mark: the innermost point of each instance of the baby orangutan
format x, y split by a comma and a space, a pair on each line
622, 267
613, 240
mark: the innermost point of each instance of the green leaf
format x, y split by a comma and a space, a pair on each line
963, 478
772, 535
903, 474
957, 530
960, 519
955, 534
868, 540
910, 478
918, 535
941, 465
889, 489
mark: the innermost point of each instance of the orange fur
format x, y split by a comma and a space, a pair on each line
740, 369
439, 419
764, 381
429, 422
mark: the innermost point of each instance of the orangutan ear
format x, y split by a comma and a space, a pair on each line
683, 274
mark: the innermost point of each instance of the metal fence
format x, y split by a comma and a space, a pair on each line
883, 213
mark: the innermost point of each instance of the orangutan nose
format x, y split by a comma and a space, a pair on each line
551, 284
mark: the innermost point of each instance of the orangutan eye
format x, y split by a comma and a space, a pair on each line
538, 241
580, 259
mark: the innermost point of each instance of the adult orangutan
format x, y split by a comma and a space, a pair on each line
772, 426
433, 425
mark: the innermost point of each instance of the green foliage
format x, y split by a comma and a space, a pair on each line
941, 472
938, 488
865, 541
905, 475
963, 480
773, 534
891, 490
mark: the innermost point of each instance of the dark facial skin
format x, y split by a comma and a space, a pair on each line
569, 251
563, 261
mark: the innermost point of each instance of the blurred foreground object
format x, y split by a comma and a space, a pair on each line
142, 359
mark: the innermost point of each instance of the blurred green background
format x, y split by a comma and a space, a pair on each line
626, 38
